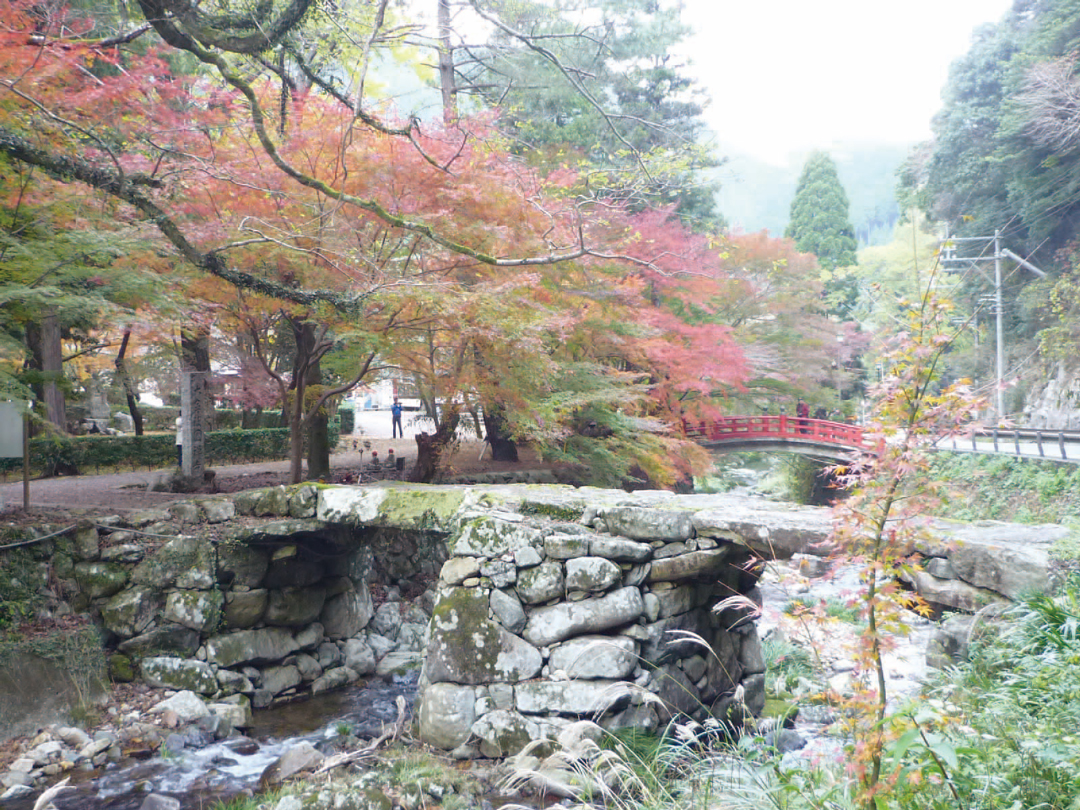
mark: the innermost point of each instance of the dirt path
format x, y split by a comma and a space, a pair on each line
128, 490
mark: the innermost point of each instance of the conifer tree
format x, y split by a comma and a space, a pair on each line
820, 224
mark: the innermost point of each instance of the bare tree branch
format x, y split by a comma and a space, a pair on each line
1051, 99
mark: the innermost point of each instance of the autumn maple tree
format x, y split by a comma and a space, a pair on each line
891, 493
583, 323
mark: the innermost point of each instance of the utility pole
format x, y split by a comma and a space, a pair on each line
999, 253
999, 306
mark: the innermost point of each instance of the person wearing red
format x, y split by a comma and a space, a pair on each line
802, 411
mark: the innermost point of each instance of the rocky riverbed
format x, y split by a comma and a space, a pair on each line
188, 751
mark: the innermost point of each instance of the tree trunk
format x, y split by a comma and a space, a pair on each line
430, 448
129, 388
301, 333
317, 424
251, 419
503, 448
296, 436
318, 447
47, 357
446, 64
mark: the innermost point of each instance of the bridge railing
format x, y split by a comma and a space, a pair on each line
1022, 442
734, 428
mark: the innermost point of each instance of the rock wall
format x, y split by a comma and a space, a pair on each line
965, 565
249, 595
1054, 402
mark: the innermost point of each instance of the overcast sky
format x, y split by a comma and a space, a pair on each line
788, 75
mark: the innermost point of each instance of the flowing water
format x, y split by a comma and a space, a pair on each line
200, 775
904, 659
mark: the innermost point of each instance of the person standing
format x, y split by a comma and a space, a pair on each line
802, 411
395, 413
180, 441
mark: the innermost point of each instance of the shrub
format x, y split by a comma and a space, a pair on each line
833, 608
785, 664
1010, 713
91, 453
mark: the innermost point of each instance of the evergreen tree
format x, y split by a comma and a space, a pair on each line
820, 224
607, 96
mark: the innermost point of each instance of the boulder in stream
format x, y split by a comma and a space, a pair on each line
301, 757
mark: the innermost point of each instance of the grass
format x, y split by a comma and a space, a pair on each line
785, 665
832, 608
241, 802
410, 768
1012, 711
396, 771
1002, 488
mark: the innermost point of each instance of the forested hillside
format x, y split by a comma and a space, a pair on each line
1005, 158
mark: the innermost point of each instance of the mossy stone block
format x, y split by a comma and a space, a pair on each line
97, 579
121, 668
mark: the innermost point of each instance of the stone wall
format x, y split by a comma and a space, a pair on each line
538, 624
552, 597
965, 565
249, 595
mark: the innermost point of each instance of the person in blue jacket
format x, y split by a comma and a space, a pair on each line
395, 412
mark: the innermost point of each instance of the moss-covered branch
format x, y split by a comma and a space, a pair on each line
194, 26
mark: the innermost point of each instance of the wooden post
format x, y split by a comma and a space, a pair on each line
26, 461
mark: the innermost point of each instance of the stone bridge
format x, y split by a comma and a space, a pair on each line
552, 603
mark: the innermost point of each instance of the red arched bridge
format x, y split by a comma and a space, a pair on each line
818, 438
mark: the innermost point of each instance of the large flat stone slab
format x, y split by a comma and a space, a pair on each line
559, 622
1007, 558
572, 697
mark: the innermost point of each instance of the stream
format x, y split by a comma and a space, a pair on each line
200, 775
905, 662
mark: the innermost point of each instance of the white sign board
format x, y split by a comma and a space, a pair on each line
11, 429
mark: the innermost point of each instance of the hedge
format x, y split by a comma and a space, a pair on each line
91, 453
347, 417
164, 418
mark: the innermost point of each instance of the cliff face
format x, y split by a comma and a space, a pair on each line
1055, 402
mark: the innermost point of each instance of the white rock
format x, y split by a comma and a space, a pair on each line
186, 705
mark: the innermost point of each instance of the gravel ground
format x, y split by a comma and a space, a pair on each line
128, 490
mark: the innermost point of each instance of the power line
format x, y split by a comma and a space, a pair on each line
999, 253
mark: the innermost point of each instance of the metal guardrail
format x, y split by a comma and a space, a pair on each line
1057, 442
